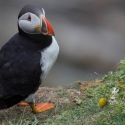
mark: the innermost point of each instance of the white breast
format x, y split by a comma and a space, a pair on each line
48, 58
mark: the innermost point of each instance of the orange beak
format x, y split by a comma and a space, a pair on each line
49, 27
45, 27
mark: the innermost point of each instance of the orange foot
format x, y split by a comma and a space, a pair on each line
23, 104
41, 107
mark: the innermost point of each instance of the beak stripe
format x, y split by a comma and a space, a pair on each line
41, 18
44, 28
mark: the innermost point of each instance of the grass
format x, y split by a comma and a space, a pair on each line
77, 104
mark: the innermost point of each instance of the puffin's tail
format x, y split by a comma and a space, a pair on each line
8, 102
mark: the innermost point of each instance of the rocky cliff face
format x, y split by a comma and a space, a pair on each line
91, 34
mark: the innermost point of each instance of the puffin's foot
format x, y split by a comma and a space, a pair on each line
41, 107
23, 104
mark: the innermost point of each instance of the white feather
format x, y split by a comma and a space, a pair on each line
29, 26
30, 99
48, 58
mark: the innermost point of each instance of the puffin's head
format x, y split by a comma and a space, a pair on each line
32, 20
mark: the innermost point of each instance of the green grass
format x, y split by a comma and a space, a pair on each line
78, 104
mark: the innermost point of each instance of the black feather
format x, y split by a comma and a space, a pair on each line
20, 67
31, 8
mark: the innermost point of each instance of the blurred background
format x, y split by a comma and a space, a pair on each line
90, 33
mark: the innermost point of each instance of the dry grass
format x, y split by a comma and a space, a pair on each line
76, 104
61, 97
84, 85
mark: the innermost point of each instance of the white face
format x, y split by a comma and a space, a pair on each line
28, 22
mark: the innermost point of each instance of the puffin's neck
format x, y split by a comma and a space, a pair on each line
41, 40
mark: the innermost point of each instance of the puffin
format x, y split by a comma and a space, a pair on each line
26, 59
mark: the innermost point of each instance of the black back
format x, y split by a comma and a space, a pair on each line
20, 67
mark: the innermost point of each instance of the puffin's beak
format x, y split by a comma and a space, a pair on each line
45, 27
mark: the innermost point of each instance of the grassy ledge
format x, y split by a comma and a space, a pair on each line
77, 104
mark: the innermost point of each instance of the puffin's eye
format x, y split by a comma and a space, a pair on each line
29, 18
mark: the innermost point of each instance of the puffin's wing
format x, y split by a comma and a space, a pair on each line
20, 70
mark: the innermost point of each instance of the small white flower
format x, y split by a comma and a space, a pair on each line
115, 90
112, 97
112, 101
